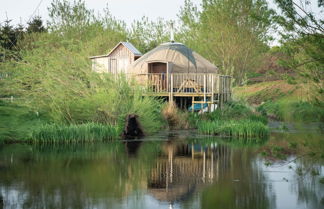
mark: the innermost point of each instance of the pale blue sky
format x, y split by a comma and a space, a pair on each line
127, 10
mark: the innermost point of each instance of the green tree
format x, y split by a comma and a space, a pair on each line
36, 25
147, 34
303, 39
9, 38
231, 33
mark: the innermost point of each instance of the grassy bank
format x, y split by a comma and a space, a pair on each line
234, 120
88, 132
17, 122
282, 100
99, 115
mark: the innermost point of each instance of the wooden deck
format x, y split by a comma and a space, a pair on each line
201, 87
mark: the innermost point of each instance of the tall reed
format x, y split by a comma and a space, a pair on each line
234, 128
87, 132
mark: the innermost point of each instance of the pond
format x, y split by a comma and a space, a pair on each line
170, 170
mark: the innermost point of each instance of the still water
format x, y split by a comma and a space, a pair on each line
170, 170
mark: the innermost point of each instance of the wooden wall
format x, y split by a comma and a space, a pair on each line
116, 62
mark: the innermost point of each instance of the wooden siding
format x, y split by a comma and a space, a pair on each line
117, 61
123, 56
100, 64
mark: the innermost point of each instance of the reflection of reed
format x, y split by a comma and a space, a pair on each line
183, 167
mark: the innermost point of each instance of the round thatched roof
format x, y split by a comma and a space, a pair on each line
183, 60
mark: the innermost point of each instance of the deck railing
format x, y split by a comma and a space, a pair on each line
184, 83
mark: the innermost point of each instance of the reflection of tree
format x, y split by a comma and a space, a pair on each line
64, 177
306, 185
97, 175
242, 186
303, 151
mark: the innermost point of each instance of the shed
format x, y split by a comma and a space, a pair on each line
117, 60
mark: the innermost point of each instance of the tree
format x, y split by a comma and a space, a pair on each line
231, 33
9, 37
35, 25
146, 34
303, 39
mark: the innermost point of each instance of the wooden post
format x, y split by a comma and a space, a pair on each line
205, 87
212, 96
193, 104
171, 90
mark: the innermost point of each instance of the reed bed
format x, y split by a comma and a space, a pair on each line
235, 128
88, 132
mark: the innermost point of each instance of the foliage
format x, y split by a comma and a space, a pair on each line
234, 120
247, 129
9, 38
87, 132
236, 111
17, 122
35, 25
230, 33
55, 77
303, 40
146, 34
297, 111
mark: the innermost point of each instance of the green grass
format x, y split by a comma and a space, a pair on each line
236, 111
17, 122
294, 111
110, 104
235, 120
246, 129
88, 132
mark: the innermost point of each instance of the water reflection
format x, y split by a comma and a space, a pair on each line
181, 169
174, 172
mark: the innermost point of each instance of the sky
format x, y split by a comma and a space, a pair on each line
20, 11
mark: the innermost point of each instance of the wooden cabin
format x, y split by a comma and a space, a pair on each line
172, 71
117, 60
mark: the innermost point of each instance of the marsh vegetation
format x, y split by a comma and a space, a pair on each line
46, 70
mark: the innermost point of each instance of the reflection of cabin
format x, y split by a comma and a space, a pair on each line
184, 168
117, 60
171, 70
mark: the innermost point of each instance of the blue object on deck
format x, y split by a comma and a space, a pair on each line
198, 107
